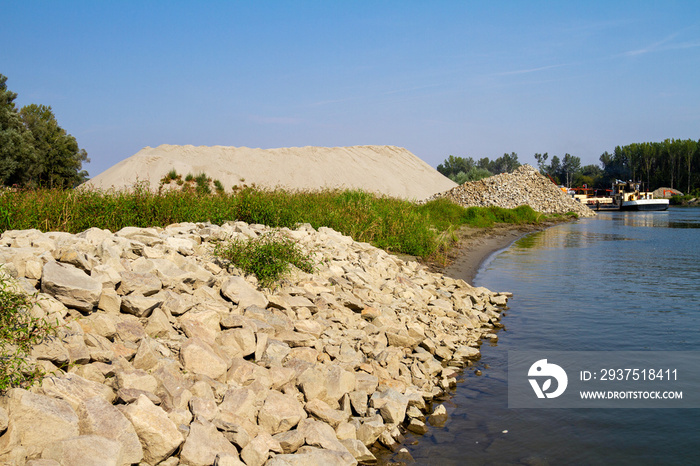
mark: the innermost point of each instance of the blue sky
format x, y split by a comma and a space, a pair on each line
465, 78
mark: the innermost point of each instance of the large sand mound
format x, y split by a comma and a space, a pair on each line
388, 170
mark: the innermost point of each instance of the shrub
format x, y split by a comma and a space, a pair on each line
219, 186
268, 257
19, 331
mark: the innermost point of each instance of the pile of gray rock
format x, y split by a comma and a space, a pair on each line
524, 186
166, 355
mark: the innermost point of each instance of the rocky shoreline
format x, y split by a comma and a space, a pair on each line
166, 355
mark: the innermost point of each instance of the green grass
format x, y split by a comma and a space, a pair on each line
268, 257
392, 224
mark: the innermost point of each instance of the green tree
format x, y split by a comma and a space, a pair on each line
591, 176
17, 154
554, 169
453, 165
505, 164
474, 174
542, 162
59, 159
570, 166
690, 147
485, 164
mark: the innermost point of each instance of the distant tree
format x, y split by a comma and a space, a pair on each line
474, 174
570, 166
505, 164
542, 162
453, 165
591, 176
554, 169
17, 154
690, 148
58, 158
485, 164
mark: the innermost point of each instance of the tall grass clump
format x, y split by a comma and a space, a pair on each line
19, 331
268, 256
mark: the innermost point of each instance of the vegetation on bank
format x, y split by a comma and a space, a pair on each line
691, 199
268, 257
19, 332
391, 224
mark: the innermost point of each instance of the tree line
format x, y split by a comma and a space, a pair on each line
673, 163
34, 150
460, 169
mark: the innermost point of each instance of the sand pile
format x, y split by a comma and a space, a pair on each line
388, 170
509, 190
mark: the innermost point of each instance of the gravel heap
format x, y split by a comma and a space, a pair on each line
509, 190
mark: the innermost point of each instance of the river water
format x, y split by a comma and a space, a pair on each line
620, 281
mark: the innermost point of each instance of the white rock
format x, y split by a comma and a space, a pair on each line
158, 434
240, 292
71, 286
204, 444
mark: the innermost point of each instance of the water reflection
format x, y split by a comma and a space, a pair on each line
622, 281
556, 238
674, 218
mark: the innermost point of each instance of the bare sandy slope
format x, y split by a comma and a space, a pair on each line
388, 170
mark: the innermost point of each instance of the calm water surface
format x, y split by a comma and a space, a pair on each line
620, 281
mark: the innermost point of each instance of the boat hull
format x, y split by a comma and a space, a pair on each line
645, 205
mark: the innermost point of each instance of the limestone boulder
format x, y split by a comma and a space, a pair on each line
237, 342
85, 450
358, 450
137, 379
199, 357
258, 450
370, 429
4, 420
145, 284
313, 457
140, 305
36, 420
98, 417
320, 410
244, 403
391, 404
240, 292
74, 389
159, 436
52, 349
280, 413
290, 441
204, 444
71, 285
244, 372
171, 275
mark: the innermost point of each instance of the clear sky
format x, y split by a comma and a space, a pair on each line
466, 78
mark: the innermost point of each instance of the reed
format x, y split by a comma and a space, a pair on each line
392, 224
